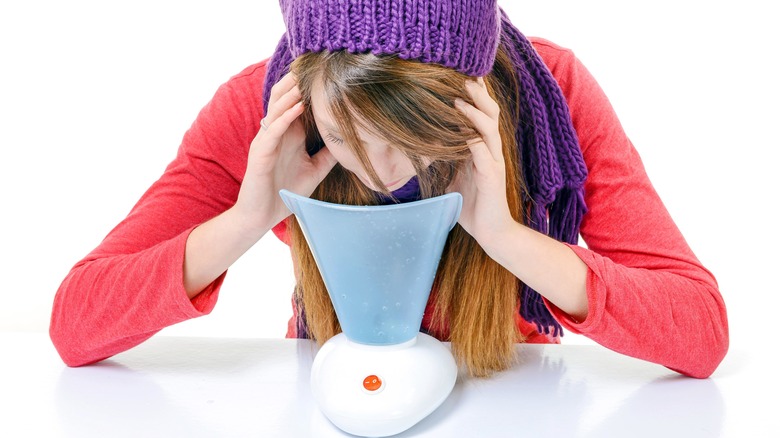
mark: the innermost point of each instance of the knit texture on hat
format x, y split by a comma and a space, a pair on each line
459, 34
552, 161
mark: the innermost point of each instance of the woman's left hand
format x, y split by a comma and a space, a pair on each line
482, 180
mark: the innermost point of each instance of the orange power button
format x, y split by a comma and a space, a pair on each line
372, 383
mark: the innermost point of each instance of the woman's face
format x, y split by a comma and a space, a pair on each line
390, 164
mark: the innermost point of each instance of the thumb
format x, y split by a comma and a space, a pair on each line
457, 181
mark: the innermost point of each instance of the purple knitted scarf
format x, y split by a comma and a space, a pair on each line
552, 161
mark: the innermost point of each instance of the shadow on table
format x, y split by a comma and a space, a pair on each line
193, 387
542, 396
108, 399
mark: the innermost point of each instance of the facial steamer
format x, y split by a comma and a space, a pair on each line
381, 375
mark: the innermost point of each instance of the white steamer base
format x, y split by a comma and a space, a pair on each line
416, 377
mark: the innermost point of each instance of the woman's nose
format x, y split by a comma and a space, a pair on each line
385, 160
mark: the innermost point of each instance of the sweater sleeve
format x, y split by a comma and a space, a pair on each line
648, 295
131, 285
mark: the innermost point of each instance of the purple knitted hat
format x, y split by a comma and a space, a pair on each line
459, 34
463, 35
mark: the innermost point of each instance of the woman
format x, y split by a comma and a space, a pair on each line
391, 102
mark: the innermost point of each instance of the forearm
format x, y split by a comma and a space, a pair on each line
671, 314
545, 265
214, 246
110, 301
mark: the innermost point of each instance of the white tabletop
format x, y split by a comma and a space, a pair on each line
212, 387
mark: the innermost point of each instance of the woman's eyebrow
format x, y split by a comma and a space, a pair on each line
328, 126
334, 130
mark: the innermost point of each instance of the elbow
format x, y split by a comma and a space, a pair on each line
709, 361
71, 349
713, 342
65, 351
68, 334
718, 333
83, 340
716, 352
68, 346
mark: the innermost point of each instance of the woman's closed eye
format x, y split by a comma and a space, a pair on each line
334, 139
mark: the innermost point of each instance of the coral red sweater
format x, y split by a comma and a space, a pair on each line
649, 297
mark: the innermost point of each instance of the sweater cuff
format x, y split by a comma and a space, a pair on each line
204, 302
596, 290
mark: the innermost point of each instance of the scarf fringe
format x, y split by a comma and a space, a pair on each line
553, 165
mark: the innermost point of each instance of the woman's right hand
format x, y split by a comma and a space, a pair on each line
278, 160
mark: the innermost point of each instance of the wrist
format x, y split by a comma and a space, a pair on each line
495, 240
248, 226
213, 246
545, 265
500, 246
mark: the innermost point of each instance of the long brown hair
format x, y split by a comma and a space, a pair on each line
475, 298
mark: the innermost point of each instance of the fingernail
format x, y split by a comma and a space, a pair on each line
481, 81
459, 102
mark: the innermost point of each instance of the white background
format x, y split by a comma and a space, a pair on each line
95, 97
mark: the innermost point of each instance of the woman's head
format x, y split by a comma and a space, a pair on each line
368, 67
385, 119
